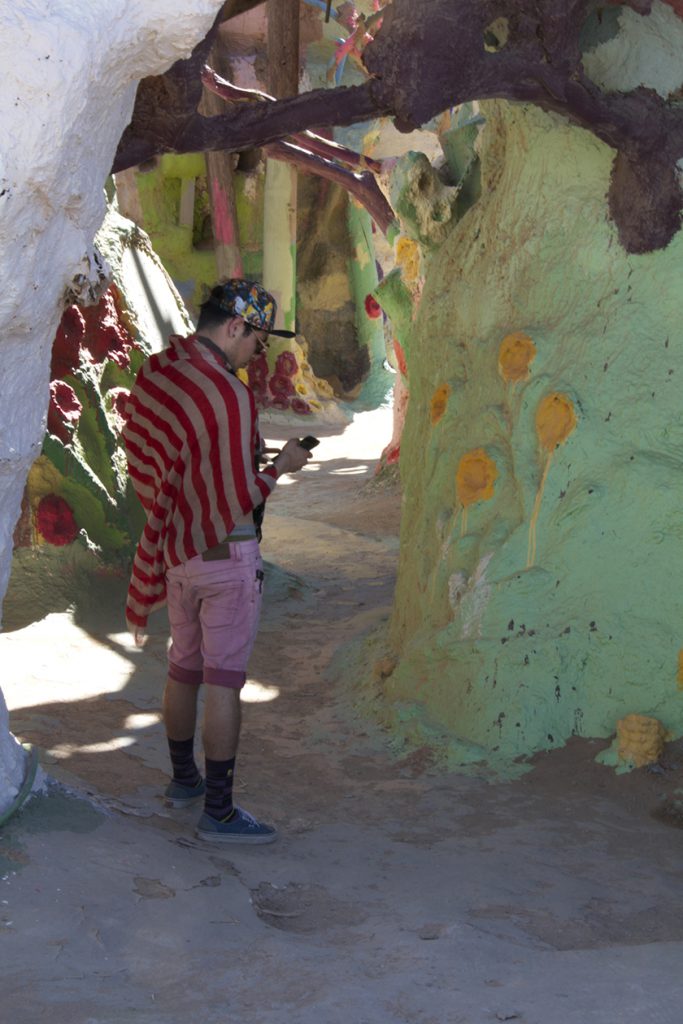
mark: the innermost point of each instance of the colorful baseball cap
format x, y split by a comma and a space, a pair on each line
249, 301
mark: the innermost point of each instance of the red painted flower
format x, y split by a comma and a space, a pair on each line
300, 406
67, 343
372, 307
106, 334
257, 371
119, 402
55, 520
280, 403
281, 386
286, 364
261, 397
64, 411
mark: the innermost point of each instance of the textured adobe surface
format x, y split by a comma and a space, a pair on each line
546, 610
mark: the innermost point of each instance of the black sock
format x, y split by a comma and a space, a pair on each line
185, 770
219, 776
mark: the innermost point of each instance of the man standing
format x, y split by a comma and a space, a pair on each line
192, 442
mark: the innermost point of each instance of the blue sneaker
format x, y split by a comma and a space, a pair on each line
241, 828
177, 795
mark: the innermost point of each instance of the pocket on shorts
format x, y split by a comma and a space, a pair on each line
221, 603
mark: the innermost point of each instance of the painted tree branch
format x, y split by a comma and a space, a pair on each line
315, 155
362, 187
456, 51
156, 130
326, 148
538, 60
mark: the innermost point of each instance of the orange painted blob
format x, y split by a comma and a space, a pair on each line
437, 406
555, 420
400, 357
517, 353
477, 473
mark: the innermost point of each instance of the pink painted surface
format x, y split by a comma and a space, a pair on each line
224, 229
224, 225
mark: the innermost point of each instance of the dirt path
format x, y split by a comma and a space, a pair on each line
396, 893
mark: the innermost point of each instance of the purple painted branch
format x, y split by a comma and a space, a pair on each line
326, 148
248, 126
363, 187
422, 66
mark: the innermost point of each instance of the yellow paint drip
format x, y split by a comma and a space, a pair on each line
437, 406
640, 739
517, 352
555, 421
680, 670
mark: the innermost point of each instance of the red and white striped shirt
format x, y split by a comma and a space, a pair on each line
190, 437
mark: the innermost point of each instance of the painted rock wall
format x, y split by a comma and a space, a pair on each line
79, 509
65, 104
541, 460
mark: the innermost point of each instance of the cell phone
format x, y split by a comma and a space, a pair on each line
309, 442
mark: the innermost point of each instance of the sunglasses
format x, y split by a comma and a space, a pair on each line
262, 343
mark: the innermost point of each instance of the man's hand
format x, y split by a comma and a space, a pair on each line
292, 458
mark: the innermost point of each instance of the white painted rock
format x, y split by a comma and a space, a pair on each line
69, 78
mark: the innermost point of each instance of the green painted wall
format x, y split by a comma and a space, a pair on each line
185, 250
496, 657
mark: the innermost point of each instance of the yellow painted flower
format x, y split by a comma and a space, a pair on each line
517, 352
437, 406
477, 473
555, 420
408, 259
43, 478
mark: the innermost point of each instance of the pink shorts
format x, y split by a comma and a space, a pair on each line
213, 610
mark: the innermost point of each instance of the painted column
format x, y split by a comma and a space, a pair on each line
280, 200
279, 239
221, 186
369, 321
128, 196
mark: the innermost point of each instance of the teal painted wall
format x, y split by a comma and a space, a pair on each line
496, 657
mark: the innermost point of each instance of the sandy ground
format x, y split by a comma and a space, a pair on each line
396, 893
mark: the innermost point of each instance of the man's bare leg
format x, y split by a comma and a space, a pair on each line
180, 709
222, 722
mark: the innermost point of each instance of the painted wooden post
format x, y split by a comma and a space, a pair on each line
128, 196
280, 201
221, 186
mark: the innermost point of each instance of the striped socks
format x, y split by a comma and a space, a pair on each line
219, 777
185, 770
